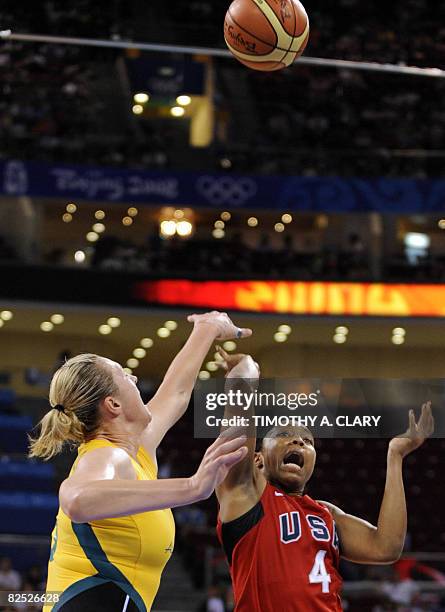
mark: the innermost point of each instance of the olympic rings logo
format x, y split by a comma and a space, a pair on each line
226, 190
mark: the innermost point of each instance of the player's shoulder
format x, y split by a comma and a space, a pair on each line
110, 461
333, 510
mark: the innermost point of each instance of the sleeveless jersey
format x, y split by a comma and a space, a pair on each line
283, 555
130, 551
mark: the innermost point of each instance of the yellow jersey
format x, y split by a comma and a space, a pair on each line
130, 551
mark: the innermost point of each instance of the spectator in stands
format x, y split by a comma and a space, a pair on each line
9, 578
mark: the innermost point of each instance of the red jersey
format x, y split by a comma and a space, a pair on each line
283, 555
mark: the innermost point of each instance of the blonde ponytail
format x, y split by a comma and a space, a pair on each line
76, 389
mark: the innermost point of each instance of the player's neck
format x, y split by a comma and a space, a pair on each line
288, 491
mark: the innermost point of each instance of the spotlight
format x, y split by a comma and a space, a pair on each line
184, 100
177, 111
163, 332
280, 337
184, 228
168, 228
339, 338
114, 321
141, 98
229, 345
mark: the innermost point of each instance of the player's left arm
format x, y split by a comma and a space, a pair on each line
173, 396
362, 542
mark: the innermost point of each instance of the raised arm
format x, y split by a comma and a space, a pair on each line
104, 486
362, 542
239, 491
173, 396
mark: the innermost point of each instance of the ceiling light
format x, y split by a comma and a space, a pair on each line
252, 221
171, 325
104, 330
146, 342
141, 98
218, 233
163, 332
342, 330
57, 319
398, 339
279, 227
183, 100
92, 237
138, 109
219, 224
99, 214
285, 329
184, 228
127, 221
71, 208
211, 366
229, 345
399, 331
280, 337
67, 218
286, 218
46, 326
339, 338
128, 370
98, 228
79, 256
6, 315
226, 216
132, 363
132, 211
177, 111
204, 375
168, 228
114, 321
139, 353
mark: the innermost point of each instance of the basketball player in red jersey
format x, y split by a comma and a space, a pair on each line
282, 546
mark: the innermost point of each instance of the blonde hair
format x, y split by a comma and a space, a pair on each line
78, 387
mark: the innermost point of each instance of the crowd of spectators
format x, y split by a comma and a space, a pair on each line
313, 120
267, 259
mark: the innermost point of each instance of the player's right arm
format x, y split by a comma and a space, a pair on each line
104, 483
243, 485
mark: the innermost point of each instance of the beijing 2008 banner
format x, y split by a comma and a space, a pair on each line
300, 297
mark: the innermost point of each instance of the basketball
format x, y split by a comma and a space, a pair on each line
266, 34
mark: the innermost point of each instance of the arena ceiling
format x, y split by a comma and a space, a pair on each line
25, 345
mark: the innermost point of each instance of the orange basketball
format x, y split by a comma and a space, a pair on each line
266, 34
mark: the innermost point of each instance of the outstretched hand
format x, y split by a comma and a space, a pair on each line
238, 365
224, 327
416, 434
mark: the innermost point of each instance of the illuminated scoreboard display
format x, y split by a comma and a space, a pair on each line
300, 298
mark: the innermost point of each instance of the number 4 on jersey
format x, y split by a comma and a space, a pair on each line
318, 573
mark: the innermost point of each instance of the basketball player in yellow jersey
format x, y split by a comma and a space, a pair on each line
114, 531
